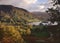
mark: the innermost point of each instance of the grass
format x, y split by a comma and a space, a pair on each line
41, 34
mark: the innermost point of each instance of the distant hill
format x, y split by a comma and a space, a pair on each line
41, 15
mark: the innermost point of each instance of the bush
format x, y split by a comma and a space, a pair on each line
40, 31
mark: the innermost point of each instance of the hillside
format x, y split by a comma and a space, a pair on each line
41, 15
15, 13
13, 24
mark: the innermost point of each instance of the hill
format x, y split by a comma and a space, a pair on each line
13, 24
41, 15
17, 14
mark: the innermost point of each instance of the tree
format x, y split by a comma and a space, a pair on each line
55, 16
54, 13
56, 2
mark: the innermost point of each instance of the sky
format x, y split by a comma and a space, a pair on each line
30, 5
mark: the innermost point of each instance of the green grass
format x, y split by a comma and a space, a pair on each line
41, 34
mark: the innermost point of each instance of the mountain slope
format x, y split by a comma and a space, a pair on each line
13, 24
41, 15
14, 12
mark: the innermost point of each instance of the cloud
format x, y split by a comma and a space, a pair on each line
31, 5
41, 7
25, 3
18, 3
7, 1
49, 1
37, 8
29, 1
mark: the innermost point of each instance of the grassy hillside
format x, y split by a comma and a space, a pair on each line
13, 24
17, 14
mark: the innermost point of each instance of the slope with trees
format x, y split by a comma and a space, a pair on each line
13, 24
54, 13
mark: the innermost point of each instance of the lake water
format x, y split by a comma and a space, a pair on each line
35, 23
47, 23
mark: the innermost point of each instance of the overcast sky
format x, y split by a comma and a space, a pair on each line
30, 5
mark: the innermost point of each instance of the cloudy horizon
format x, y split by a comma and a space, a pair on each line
30, 5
